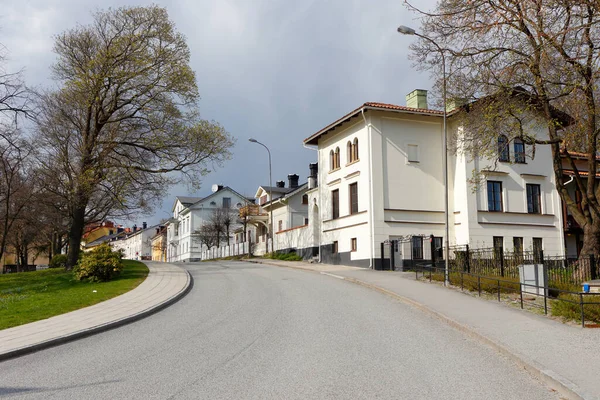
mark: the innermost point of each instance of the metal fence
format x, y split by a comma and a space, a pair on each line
587, 305
497, 262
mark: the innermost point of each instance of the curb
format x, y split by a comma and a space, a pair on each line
100, 328
550, 378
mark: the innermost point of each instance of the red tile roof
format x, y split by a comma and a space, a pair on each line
583, 174
313, 139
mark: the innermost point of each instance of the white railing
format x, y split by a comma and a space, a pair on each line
236, 249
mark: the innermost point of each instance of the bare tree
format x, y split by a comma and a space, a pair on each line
518, 59
125, 117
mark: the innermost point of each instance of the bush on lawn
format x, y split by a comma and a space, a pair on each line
567, 307
99, 265
58, 261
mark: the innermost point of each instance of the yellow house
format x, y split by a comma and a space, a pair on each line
159, 244
96, 231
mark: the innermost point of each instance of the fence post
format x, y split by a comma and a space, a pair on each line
468, 262
521, 291
593, 274
431, 247
582, 313
462, 284
392, 259
479, 285
498, 289
382, 257
502, 262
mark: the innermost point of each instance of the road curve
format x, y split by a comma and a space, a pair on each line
249, 331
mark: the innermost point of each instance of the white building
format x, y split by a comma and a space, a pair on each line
189, 213
136, 245
382, 179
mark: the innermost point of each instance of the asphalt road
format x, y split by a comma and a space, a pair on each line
249, 331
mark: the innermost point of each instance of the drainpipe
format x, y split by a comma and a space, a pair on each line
370, 174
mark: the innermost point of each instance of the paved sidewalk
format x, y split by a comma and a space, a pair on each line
165, 284
564, 356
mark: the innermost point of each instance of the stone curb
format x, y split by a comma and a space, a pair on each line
549, 377
102, 327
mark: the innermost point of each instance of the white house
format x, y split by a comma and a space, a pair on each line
382, 179
135, 245
189, 213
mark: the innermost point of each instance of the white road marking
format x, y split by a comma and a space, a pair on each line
335, 276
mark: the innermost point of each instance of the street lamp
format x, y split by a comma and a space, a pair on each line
270, 235
405, 30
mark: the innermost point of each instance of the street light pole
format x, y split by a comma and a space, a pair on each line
270, 235
409, 31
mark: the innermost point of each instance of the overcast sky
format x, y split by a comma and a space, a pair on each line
274, 70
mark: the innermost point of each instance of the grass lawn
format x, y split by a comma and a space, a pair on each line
30, 296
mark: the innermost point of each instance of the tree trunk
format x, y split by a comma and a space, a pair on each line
591, 246
75, 234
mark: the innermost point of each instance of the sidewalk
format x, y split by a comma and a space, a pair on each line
165, 284
563, 356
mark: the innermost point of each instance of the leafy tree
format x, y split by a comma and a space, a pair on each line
527, 63
124, 123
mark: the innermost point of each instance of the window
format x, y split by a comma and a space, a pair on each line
305, 199
533, 199
226, 202
334, 247
353, 198
498, 247
350, 152
263, 199
494, 190
503, 152
518, 245
355, 150
280, 226
305, 221
335, 204
438, 248
537, 250
331, 160
412, 152
417, 247
519, 151
337, 157
353, 244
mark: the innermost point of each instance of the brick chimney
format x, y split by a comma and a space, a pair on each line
293, 179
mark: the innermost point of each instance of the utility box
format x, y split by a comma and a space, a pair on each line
533, 278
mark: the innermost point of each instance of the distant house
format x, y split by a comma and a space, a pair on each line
189, 215
159, 244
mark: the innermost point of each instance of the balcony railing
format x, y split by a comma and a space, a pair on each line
251, 210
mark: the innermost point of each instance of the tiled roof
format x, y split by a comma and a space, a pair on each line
373, 106
583, 174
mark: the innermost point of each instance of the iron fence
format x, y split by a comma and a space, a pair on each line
586, 304
497, 262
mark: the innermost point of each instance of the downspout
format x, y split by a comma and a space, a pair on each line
320, 208
370, 174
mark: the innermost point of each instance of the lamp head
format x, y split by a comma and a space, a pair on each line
405, 30
252, 140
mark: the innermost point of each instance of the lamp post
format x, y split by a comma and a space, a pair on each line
270, 235
405, 30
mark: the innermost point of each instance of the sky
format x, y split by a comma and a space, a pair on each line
274, 70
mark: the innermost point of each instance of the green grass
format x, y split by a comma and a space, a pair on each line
31, 296
283, 256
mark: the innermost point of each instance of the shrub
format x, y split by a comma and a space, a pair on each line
567, 307
58, 261
99, 265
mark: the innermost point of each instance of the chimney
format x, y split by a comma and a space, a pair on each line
135, 228
280, 184
157, 231
312, 178
219, 187
417, 99
293, 180
144, 225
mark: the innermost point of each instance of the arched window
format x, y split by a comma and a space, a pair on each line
331, 161
355, 149
337, 157
350, 153
305, 199
519, 151
503, 152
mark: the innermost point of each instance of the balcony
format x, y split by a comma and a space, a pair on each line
251, 210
